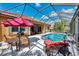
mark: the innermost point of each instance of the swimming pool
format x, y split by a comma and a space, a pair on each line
56, 37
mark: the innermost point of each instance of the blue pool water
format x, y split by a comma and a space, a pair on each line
55, 37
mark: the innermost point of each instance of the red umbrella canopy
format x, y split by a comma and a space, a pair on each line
10, 22
23, 22
17, 22
6, 24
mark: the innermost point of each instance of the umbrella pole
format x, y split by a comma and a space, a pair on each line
19, 38
19, 42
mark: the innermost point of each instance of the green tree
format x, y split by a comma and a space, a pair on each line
60, 26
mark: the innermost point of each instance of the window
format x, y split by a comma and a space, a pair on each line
14, 29
22, 29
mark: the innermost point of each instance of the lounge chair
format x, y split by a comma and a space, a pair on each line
49, 51
61, 47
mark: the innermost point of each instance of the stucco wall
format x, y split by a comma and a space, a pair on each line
44, 28
4, 32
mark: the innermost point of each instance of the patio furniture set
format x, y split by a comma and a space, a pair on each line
60, 47
11, 42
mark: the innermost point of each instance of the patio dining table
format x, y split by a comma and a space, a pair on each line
13, 42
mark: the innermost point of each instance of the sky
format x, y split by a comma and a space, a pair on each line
39, 11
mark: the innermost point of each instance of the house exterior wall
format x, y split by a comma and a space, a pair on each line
7, 30
3, 31
0, 32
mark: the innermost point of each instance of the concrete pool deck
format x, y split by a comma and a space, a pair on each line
37, 48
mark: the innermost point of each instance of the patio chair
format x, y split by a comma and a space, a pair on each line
24, 41
11, 39
64, 51
49, 51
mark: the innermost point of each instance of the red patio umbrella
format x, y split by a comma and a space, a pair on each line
17, 22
